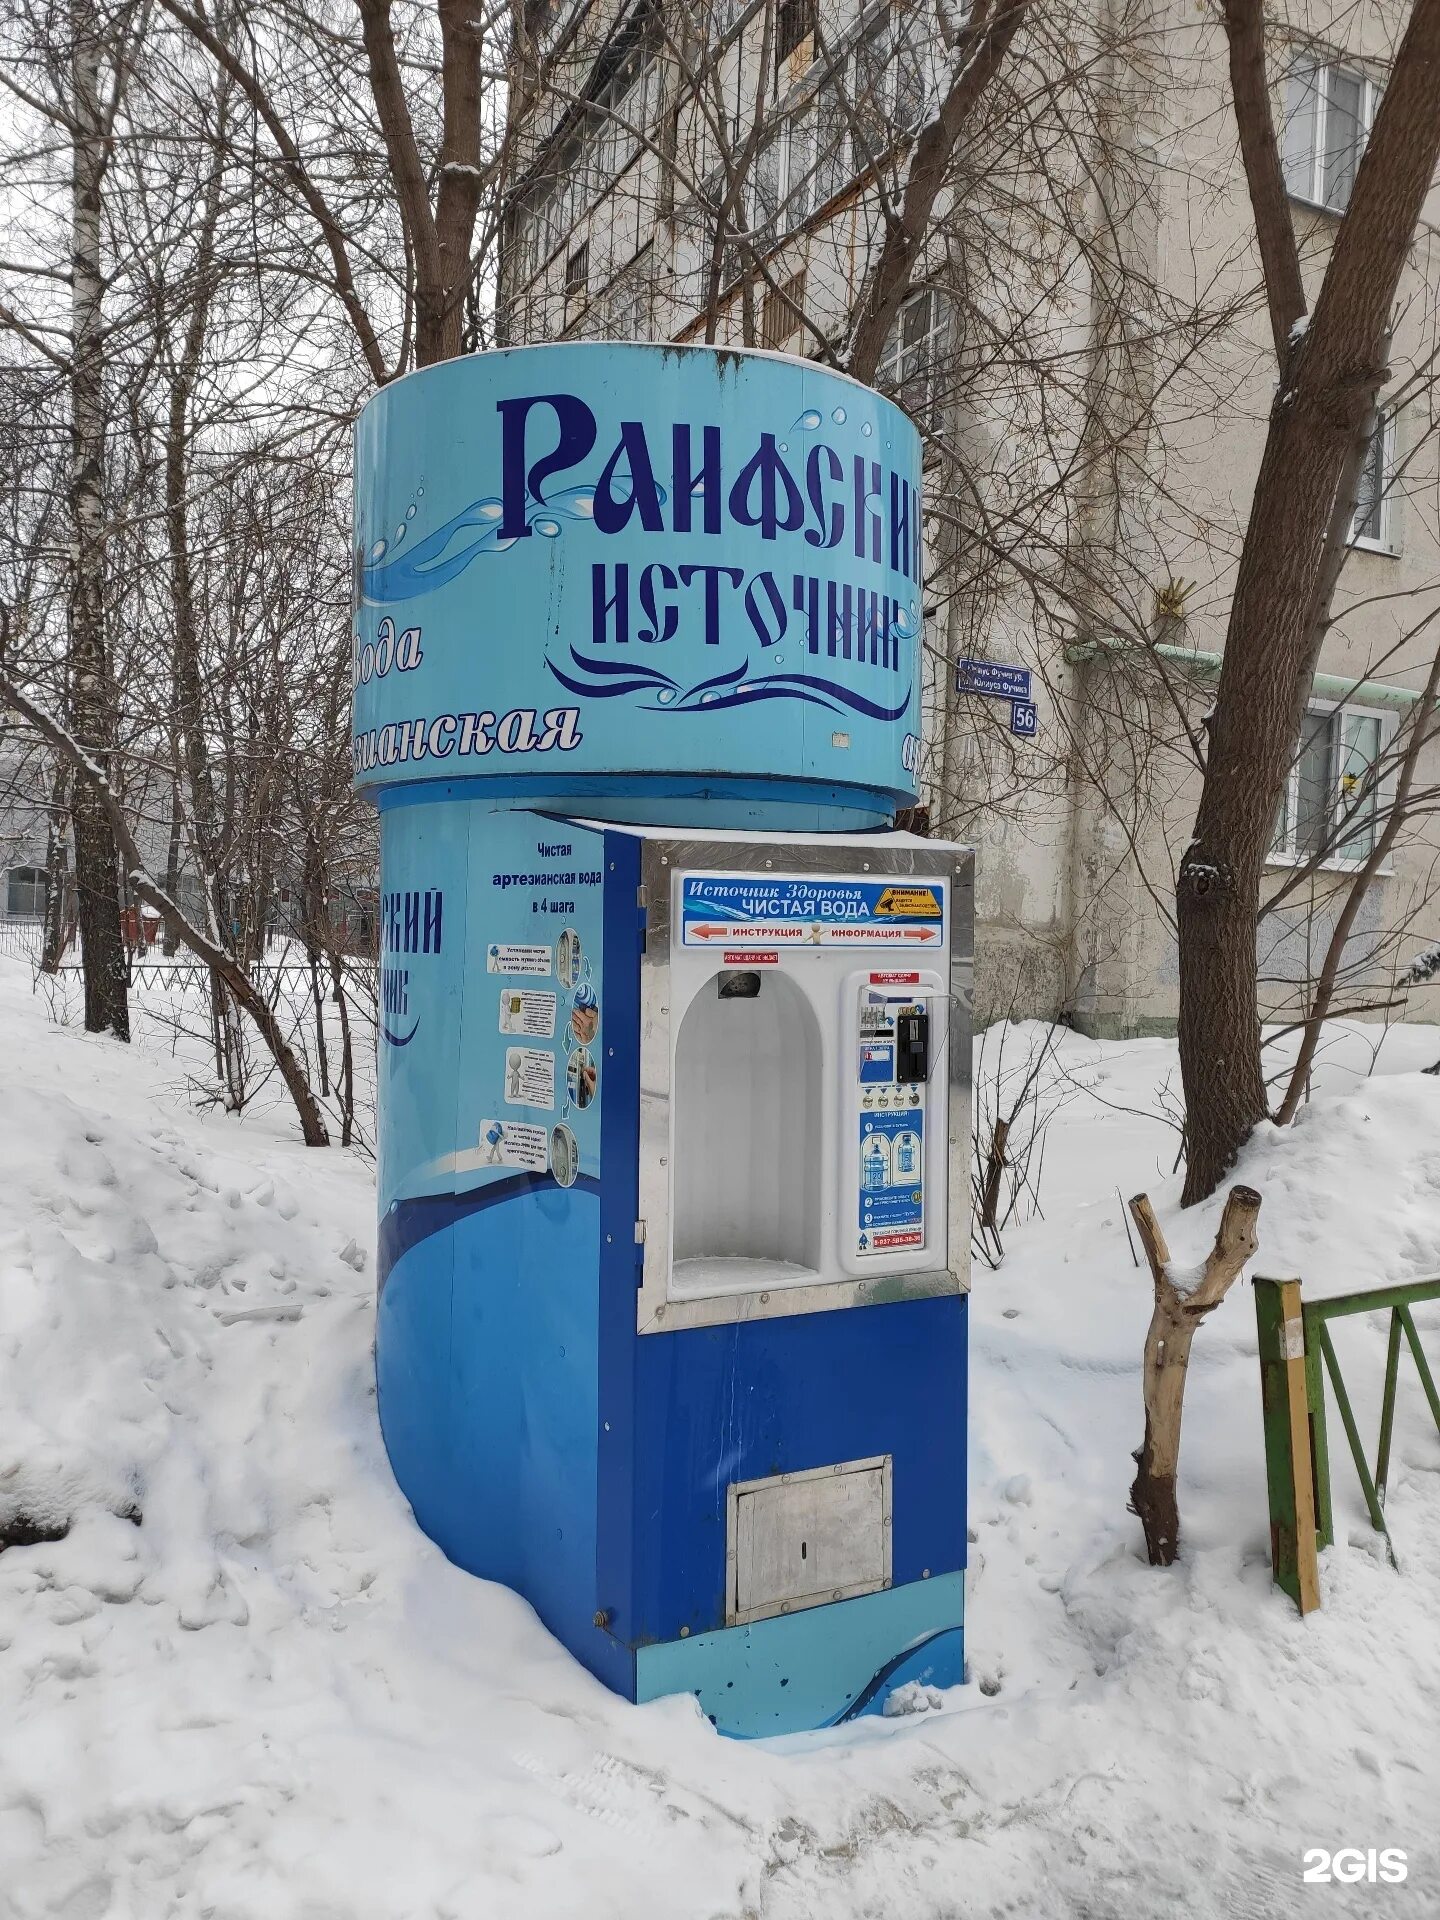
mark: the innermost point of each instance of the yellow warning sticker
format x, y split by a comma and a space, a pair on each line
907, 903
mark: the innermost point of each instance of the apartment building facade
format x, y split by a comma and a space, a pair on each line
24, 842
1087, 350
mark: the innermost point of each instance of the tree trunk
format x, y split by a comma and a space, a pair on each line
439, 240
172, 865
994, 1172
97, 877
315, 934
1177, 1313
1219, 1025
57, 871
346, 1088
187, 668
1296, 538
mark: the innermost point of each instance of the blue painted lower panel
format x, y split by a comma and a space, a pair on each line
716, 1405
486, 1371
813, 1669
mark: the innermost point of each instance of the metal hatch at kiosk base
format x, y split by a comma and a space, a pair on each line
796, 1540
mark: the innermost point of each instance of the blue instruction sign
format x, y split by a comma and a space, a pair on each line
804, 912
892, 1189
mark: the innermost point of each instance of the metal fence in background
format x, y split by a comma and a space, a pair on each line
1296, 1354
21, 936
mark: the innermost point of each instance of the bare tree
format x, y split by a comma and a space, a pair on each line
88, 773
219, 514
1332, 364
96, 872
437, 168
77, 67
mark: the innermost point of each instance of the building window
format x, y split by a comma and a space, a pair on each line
872, 96
1329, 111
25, 893
780, 314
1330, 809
912, 367
794, 25
628, 302
850, 120
1374, 522
577, 272
579, 167
887, 79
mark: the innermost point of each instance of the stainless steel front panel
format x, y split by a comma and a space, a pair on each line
662, 858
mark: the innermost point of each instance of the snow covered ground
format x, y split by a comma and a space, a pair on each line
244, 1685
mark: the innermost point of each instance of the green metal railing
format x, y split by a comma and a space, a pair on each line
1296, 1355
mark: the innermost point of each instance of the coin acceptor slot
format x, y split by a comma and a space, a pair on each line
912, 1046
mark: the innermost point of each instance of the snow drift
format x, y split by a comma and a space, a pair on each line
236, 1682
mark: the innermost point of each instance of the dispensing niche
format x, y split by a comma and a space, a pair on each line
747, 1138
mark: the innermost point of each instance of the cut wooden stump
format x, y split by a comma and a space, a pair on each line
1177, 1313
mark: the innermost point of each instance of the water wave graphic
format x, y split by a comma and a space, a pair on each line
605, 679
388, 575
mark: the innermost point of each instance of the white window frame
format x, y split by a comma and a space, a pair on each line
34, 882
901, 367
595, 152
1338, 860
629, 301
1387, 540
1304, 173
785, 189
795, 147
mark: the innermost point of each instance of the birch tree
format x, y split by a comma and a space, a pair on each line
65, 76
97, 876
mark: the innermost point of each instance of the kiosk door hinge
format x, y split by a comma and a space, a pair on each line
639, 1233
642, 898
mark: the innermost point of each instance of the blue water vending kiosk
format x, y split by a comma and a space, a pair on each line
675, 1028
